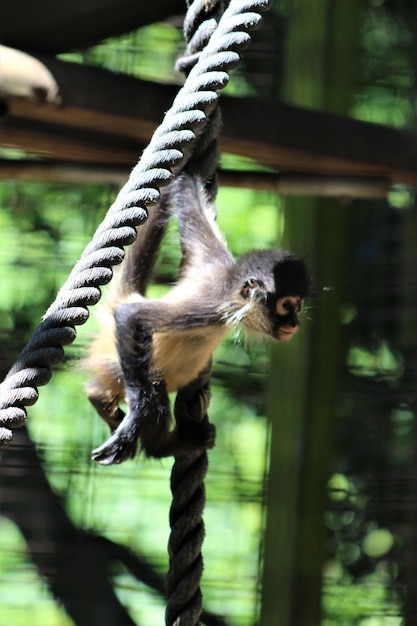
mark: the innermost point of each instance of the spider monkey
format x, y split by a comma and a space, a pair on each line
150, 347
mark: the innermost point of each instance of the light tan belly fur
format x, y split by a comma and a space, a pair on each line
184, 354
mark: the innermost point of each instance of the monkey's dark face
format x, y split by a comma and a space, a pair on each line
286, 315
275, 291
292, 283
269, 313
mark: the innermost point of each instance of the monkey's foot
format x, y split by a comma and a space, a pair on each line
121, 446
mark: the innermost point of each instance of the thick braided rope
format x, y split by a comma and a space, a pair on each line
182, 585
184, 597
200, 22
189, 112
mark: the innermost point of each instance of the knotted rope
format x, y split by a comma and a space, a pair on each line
182, 585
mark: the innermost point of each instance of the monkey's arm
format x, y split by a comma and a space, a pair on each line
135, 273
200, 238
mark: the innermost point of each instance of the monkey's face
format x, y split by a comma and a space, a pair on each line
286, 313
268, 312
273, 289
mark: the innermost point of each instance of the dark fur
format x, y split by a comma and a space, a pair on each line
148, 348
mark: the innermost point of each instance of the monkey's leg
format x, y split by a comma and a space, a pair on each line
148, 415
105, 392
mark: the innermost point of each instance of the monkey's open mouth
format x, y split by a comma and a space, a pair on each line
285, 333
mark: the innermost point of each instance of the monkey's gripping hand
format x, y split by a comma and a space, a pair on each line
146, 421
122, 444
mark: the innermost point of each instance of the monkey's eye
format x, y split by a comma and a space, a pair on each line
288, 304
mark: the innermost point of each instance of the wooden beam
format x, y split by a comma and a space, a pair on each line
285, 183
287, 136
62, 142
111, 122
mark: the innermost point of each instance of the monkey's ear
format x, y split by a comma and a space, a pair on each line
254, 289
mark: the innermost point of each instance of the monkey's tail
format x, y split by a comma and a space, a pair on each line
135, 273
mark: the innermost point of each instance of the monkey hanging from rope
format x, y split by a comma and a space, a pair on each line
147, 348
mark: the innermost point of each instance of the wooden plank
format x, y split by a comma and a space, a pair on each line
280, 134
285, 183
121, 108
58, 142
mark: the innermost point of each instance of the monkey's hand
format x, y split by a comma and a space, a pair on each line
254, 288
122, 444
146, 421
